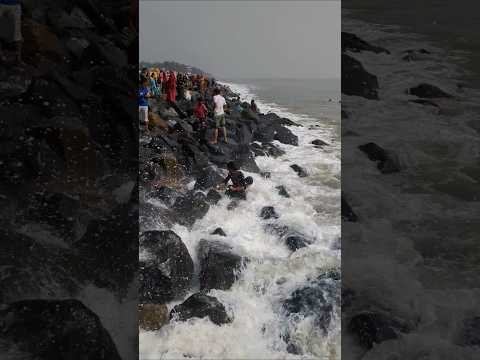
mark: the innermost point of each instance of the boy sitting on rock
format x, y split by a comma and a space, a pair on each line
239, 182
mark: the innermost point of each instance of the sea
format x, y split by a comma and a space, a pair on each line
273, 273
420, 224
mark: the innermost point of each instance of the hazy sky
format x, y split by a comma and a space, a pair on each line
244, 39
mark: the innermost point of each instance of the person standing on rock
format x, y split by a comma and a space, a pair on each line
11, 27
201, 125
153, 85
253, 106
143, 94
171, 87
219, 115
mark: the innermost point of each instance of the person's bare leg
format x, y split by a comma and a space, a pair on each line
215, 136
225, 134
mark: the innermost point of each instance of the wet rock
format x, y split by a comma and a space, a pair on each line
165, 194
56, 329
285, 136
219, 231
353, 43
296, 241
171, 258
356, 80
152, 317
471, 332
319, 143
199, 306
428, 91
207, 178
189, 208
39, 39
266, 174
213, 197
266, 149
347, 212
218, 265
108, 248
424, 102
371, 328
268, 212
386, 161
77, 46
155, 286
299, 170
282, 191
317, 300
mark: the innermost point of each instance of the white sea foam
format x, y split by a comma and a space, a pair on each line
255, 300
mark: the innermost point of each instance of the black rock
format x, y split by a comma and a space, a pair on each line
471, 332
318, 300
356, 80
282, 191
155, 287
189, 208
371, 328
295, 242
56, 329
347, 212
268, 212
213, 197
424, 102
428, 91
386, 161
166, 194
266, 174
285, 136
219, 266
267, 149
199, 306
319, 143
300, 171
219, 231
171, 262
353, 43
208, 177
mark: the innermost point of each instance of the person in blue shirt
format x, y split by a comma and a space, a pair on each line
143, 94
11, 26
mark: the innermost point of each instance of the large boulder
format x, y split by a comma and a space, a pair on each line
171, 261
268, 212
282, 191
387, 162
319, 300
152, 317
356, 80
372, 327
353, 43
207, 178
266, 149
56, 329
189, 208
285, 136
199, 306
428, 91
299, 170
219, 266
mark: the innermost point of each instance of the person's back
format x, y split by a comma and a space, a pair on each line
219, 102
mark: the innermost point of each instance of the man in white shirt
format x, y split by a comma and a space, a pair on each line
219, 115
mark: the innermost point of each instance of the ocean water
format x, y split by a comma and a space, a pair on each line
433, 283
273, 273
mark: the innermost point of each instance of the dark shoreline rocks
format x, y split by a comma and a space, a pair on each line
353, 43
356, 80
200, 305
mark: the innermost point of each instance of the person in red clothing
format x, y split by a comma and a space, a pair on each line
171, 87
201, 125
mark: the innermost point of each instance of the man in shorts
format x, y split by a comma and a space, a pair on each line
219, 115
10, 27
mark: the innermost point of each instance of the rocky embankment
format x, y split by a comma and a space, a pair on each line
173, 157
68, 163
